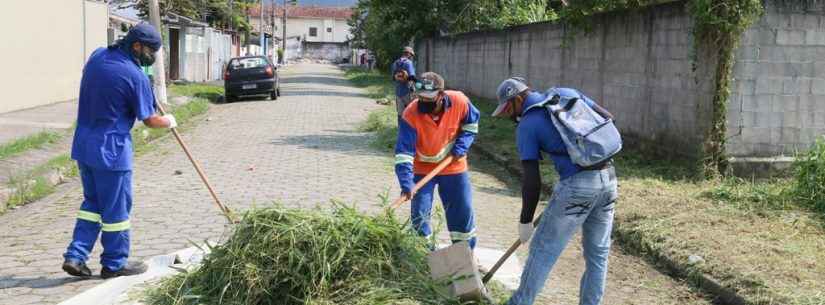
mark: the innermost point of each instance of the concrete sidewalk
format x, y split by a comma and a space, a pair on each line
26, 122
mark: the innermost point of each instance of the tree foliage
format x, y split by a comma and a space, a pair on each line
385, 26
217, 13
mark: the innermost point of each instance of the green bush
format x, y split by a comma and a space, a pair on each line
809, 169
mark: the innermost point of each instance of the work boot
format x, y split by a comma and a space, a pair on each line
76, 268
131, 268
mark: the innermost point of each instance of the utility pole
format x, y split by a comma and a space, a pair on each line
283, 34
160, 63
272, 20
263, 32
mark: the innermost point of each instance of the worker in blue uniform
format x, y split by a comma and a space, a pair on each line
583, 199
436, 124
403, 71
114, 92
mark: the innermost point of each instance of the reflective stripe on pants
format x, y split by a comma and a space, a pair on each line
107, 202
456, 196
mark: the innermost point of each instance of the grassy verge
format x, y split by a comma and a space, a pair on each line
24, 144
205, 91
384, 121
753, 238
36, 184
377, 84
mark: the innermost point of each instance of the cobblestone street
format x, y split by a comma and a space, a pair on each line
301, 151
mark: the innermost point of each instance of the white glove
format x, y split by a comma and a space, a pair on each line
172, 122
525, 231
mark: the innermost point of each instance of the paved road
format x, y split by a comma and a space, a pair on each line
300, 151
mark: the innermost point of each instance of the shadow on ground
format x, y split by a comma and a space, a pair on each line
338, 141
324, 80
293, 92
7, 281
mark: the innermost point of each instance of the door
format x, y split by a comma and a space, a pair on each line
174, 54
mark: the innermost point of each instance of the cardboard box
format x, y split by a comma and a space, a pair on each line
456, 266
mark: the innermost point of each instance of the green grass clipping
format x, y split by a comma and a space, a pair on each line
312, 257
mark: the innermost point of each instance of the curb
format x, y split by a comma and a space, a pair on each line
628, 239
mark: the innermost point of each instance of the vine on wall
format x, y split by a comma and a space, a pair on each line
719, 24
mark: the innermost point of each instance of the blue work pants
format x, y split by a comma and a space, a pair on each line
457, 198
107, 202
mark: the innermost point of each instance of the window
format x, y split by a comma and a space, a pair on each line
313, 32
329, 30
247, 63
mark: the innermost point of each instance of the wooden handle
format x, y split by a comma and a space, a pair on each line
444, 163
501, 261
506, 255
224, 209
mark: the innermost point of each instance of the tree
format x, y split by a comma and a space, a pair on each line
217, 13
385, 26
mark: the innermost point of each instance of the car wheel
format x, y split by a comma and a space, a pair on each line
273, 95
230, 99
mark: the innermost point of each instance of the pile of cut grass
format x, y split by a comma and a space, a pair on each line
310, 257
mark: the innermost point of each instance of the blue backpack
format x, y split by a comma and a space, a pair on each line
590, 139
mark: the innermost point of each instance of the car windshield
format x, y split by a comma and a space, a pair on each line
247, 63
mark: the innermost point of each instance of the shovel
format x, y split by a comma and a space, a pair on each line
230, 216
443, 164
506, 255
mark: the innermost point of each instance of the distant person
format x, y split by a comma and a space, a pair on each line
370, 60
364, 60
113, 94
403, 72
584, 198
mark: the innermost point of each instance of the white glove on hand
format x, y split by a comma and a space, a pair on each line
525, 231
172, 122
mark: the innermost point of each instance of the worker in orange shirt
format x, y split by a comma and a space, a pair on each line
437, 124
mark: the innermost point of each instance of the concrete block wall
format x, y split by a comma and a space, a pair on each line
777, 106
638, 65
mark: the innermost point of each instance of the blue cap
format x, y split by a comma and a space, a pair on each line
507, 90
144, 33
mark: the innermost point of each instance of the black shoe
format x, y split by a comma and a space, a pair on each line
131, 268
76, 268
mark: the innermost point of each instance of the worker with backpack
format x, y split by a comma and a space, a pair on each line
580, 138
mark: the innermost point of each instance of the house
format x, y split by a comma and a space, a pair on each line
46, 48
195, 51
314, 32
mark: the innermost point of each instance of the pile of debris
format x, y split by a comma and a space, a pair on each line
311, 257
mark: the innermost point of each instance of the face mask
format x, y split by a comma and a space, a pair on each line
426, 107
146, 58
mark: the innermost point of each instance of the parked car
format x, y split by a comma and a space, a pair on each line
250, 75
